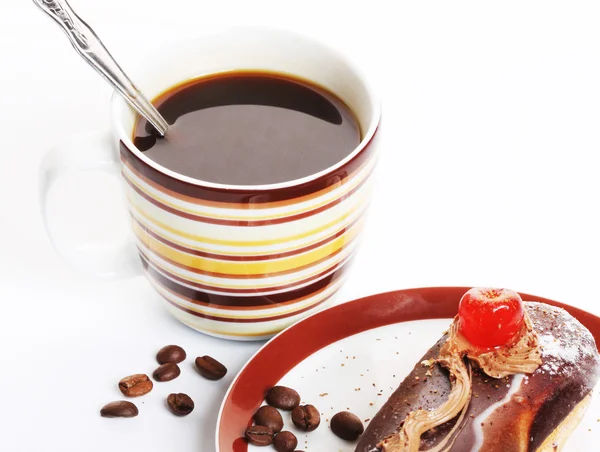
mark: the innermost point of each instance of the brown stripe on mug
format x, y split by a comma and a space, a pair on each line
234, 258
248, 320
242, 297
278, 287
224, 222
198, 271
289, 271
320, 288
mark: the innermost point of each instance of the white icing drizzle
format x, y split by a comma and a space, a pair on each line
478, 429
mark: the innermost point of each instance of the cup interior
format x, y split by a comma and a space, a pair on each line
251, 49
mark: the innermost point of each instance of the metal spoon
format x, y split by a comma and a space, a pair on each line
89, 46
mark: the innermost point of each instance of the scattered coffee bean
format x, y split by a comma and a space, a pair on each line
257, 435
210, 368
306, 418
283, 398
166, 372
121, 408
347, 426
267, 416
285, 442
180, 404
171, 354
135, 385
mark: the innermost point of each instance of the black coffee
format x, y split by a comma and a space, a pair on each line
250, 128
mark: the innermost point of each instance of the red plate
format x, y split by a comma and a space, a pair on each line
300, 341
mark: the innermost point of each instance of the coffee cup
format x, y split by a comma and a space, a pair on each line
235, 261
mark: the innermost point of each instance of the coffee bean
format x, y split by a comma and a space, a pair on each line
283, 398
347, 426
210, 368
180, 404
257, 435
171, 354
267, 416
166, 372
121, 408
285, 442
306, 418
135, 385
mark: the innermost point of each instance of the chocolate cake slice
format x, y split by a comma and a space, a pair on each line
521, 412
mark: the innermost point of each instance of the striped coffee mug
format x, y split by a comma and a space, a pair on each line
241, 262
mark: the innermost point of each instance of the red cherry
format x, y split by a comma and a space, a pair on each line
490, 317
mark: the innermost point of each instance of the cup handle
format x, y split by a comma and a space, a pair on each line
89, 152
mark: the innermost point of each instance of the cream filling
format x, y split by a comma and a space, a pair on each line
521, 356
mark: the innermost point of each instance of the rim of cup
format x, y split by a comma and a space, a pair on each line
118, 106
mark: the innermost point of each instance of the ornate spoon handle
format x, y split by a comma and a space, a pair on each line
89, 46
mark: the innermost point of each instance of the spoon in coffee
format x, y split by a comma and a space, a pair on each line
89, 46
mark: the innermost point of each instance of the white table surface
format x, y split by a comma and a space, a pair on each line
488, 176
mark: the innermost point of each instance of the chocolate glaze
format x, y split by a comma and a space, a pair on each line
569, 371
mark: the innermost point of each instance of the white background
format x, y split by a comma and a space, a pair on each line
488, 176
